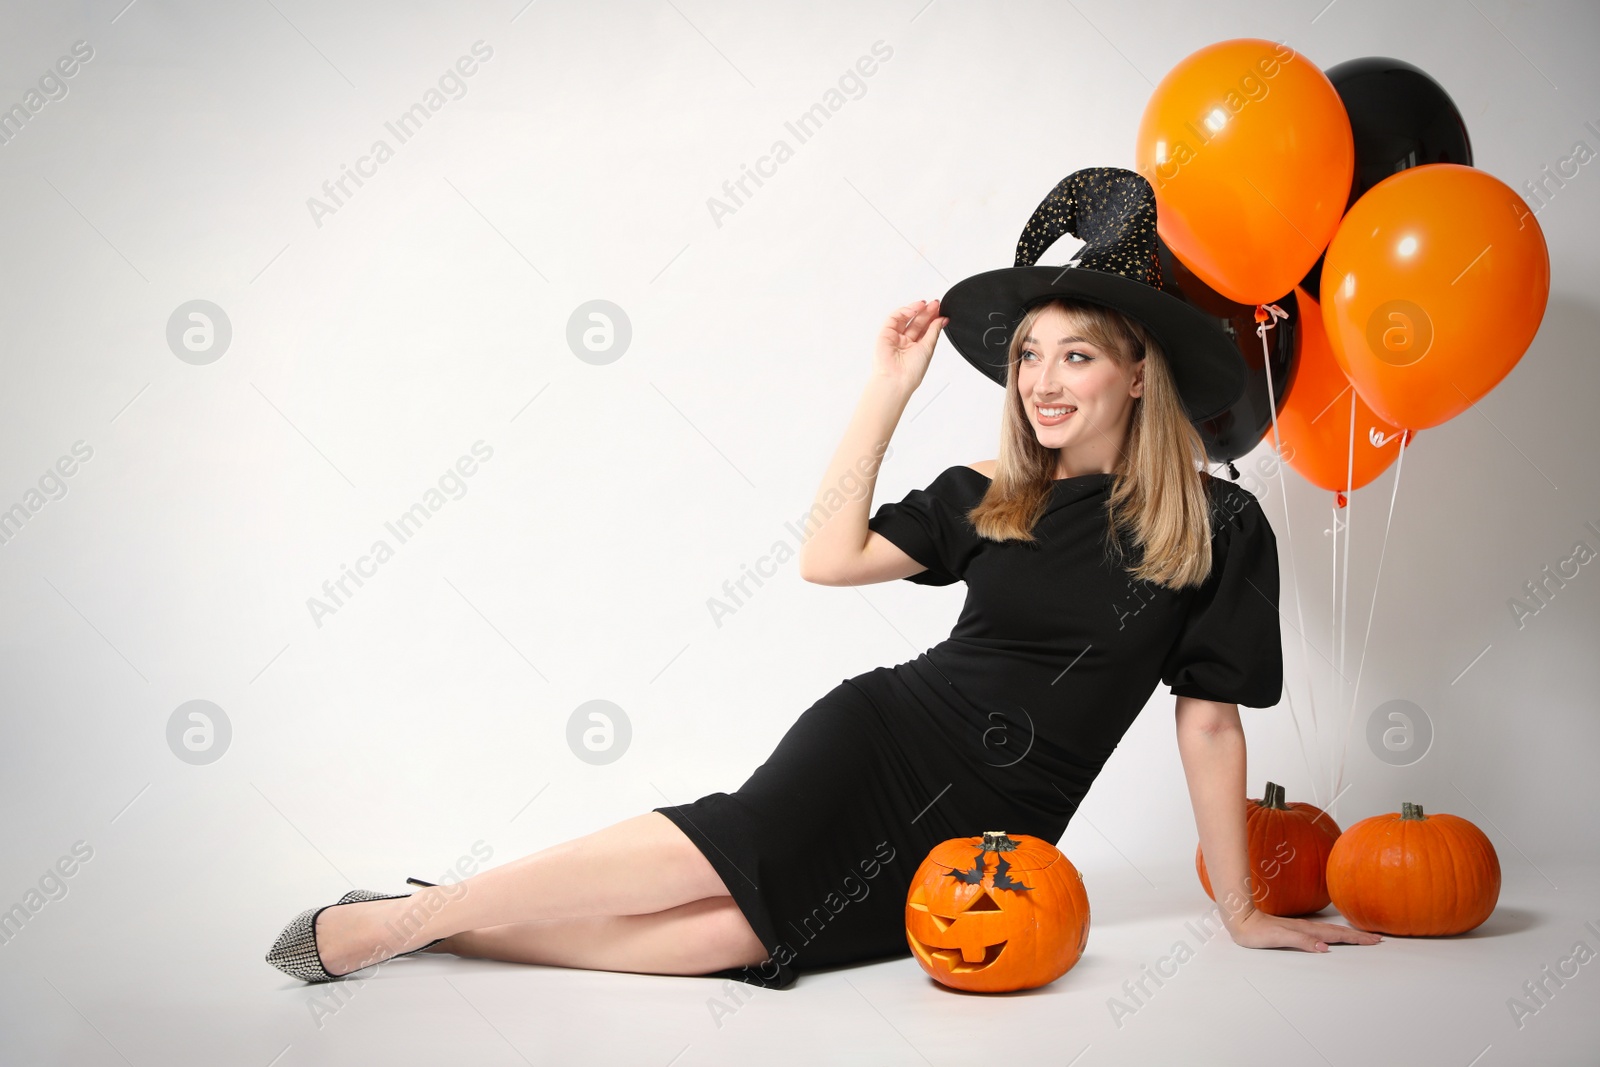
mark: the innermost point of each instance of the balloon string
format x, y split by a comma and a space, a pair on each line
1267, 316
1399, 467
1333, 610
1344, 571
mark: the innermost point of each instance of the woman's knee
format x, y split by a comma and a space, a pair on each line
680, 853
717, 936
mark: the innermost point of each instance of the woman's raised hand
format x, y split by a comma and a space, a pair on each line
905, 344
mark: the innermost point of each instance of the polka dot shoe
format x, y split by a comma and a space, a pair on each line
295, 951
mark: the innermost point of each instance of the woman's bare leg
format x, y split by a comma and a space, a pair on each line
640, 865
699, 937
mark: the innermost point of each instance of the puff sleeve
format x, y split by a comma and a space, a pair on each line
930, 525
1230, 649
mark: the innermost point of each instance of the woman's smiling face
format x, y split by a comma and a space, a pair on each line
1076, 394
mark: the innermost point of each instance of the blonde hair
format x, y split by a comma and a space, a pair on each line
1158, 503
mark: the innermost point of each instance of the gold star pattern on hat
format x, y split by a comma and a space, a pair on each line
1113, 211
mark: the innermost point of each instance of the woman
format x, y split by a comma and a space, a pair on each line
1099, 558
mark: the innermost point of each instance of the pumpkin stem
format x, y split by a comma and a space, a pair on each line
997, 841
1275, 797
1409, 810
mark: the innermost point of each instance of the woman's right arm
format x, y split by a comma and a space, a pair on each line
840, 549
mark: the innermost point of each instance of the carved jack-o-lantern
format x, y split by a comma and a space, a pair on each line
997, 913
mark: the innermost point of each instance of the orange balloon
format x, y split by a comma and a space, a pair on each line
1314, 425
1432, 290
1249, 150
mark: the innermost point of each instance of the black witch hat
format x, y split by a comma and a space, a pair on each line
1113, 211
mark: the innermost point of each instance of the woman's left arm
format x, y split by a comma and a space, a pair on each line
1211, 745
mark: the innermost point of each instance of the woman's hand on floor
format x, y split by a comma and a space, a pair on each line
1261, 930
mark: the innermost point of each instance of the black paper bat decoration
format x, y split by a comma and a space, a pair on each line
974, 876
1002, 880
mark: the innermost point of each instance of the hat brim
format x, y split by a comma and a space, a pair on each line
984, 310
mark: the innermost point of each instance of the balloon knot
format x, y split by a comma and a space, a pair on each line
1338, 498
1263, 313
1233, 472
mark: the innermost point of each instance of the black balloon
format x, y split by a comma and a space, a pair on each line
1239, 429
1401, 118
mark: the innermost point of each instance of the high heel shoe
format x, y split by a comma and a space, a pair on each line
295, 951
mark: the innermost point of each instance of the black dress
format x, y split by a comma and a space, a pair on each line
1003, 726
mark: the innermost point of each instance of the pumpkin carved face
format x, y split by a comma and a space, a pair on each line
996, 913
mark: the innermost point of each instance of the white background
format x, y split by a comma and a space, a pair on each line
430, 311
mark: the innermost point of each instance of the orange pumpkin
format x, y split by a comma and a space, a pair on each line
1414, 875
996, 913
1288, 847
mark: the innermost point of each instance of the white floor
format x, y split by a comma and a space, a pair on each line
110, 985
